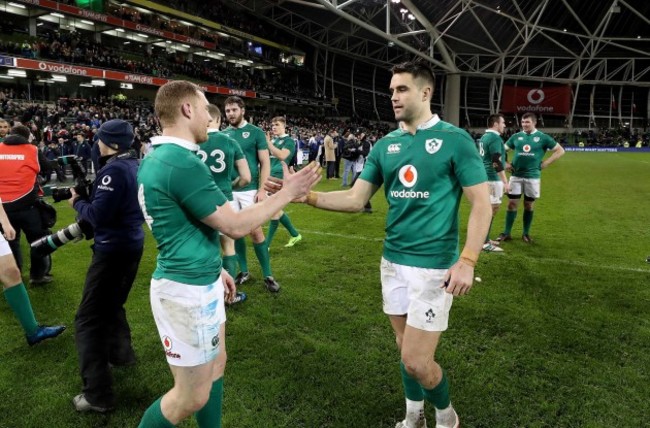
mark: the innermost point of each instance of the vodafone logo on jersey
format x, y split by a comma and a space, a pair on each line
526, 151
408, 176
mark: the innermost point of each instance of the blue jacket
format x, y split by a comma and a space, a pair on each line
113, 209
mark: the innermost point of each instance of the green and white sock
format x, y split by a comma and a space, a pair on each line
154, 418
286, 222
210, 415
18, 301
262, 253
273, 227
240, 249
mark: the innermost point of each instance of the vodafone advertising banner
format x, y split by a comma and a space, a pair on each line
117, 22
551, 100
97, 73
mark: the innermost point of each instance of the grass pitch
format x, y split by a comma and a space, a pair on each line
556, 335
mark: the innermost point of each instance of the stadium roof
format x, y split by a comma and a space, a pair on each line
589, 41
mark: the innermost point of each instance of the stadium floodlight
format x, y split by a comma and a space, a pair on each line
57, 15
98, 82
119, 30
4, 76
83, 21
143, 35
17, 73
86, 85
59, 78
411, 17
18, 5
395, 1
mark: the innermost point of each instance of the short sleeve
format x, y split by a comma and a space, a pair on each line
372, 172
549, 142
197, 192
511, 142
260, 140
468, 165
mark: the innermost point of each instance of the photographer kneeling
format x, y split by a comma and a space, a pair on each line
102, 332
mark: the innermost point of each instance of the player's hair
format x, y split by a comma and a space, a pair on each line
214, 111
418, 69
235, 100
494, 119
4, 121
531, 116
279, 119
170, 97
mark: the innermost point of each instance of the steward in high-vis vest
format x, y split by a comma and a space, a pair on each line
19, 168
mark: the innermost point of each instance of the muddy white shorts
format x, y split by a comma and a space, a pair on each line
416, 293
188, 318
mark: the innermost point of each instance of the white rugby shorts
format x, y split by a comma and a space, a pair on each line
416, 293
188, 318
5, 250
530, 187
496, 191
244, 199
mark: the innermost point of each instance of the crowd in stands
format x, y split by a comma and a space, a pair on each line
621, 137
73, 47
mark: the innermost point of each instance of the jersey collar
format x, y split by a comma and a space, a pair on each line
160, 140
426, 125
212, 130
492, 130
430, 123
531, 133
242, 124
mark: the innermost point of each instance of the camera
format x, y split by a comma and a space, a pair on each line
82, 185
50, 243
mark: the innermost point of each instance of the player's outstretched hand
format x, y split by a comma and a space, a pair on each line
273, 185
298, 184
459, 279
229, 287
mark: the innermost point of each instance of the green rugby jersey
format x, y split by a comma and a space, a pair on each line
220, 153
423, 176
489, 144
529, 153
175, 191
284, 142
250, 139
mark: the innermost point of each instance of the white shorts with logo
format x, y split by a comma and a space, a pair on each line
244, 199
416, 292
5, 250
496, 191
188, 318
528, 186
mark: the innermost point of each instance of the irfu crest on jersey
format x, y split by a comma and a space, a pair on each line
245, 134
432, 145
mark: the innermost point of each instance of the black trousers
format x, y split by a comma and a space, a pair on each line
28, 220
337, 166
330, 169
102, 333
